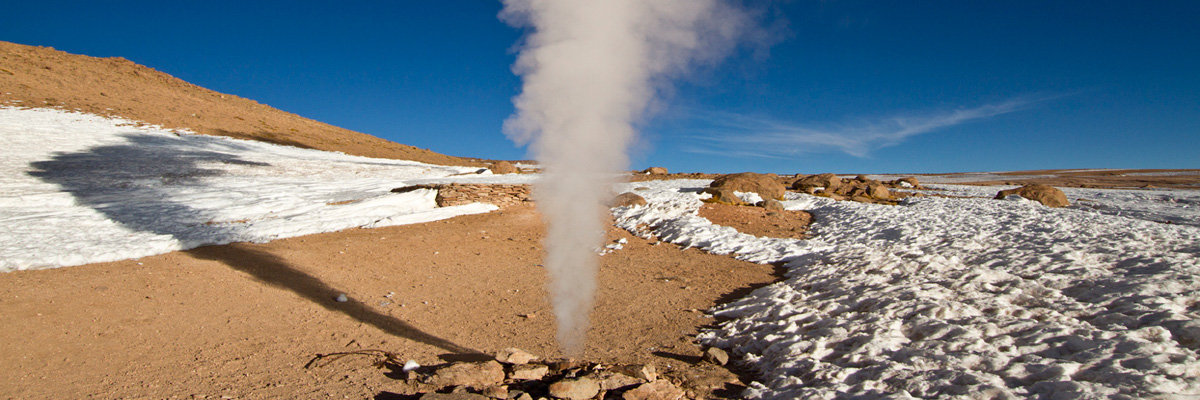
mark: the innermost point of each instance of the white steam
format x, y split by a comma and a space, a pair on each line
591, 69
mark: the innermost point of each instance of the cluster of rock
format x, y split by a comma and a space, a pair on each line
861, 188
519, 375
454, 194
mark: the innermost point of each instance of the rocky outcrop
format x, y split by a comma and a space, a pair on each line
454, 194
1049, 196
765, 185
530, 378
808, 184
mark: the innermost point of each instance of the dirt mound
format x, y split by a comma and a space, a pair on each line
43, 77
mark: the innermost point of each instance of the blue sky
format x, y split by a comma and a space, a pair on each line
842, 86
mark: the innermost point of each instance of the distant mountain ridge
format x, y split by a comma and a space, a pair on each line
44, 77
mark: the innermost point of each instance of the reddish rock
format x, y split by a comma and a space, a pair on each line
575, 389
476, 375
628, 199
1048, 195
772, 205
655, 171
716, 356
878, 191
765, 185
529, 372
828, 181
503, 167
514, 355
723, 196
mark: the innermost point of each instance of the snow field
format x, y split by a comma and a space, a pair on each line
955, 298
79, 188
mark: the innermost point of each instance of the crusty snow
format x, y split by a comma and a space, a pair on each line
959, 297
79, 188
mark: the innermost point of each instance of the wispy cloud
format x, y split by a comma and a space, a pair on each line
739, 135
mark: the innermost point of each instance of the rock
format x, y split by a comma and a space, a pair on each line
529, 372
863, 178
613, 380
723, 196
765, 185
523, 396
878, 191
645, 372
476, 375
628, 199
655, 171
503, 167
772, 205
716, 356
809, 183
496, 392
453, 396
575, 389
1048, 195
513, 355
911, 181
657, 390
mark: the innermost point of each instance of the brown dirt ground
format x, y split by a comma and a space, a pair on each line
44, 77
242, 320
1108, 179
757, 221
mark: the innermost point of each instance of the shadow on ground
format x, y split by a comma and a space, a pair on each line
136, 184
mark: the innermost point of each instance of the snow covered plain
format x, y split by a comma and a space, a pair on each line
79, 188
958, 298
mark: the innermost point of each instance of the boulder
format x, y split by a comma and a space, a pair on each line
528, 372
615, 381
912, 181
575, 389
503, 167
645, 372
716, 356
772, 205
809, 183
1049, 196
628, 199
765, 185
657, 390
655, 171
514, 355
876, 190
723, 196
476, 375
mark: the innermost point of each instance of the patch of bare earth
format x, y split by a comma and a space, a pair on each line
1105, 179
43, 77
758, 221
242, 320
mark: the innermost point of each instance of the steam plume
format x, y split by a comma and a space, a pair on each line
591, 69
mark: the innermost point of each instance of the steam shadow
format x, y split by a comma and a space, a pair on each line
134, 184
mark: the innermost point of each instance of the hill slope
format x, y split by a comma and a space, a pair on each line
44, 77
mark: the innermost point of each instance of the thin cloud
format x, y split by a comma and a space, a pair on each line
742, 135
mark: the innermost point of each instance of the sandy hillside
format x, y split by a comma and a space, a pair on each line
44, 77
